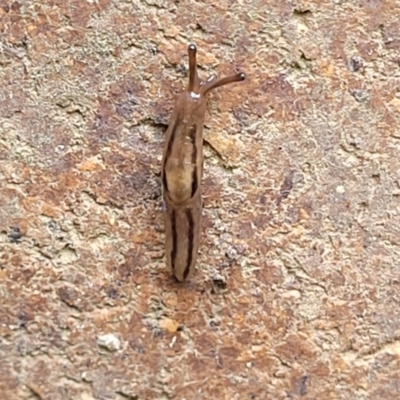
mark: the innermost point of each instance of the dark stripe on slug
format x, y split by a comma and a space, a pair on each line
171, 139
190, 242
168, 152
174, 239
194, 181
192, 133
164, 181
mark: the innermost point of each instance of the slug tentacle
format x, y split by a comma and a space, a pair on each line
214, 83
194, 80
182, 170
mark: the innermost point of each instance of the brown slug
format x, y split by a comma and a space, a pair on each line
182, 170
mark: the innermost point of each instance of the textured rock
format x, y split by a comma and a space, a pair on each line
109, 341
297, 290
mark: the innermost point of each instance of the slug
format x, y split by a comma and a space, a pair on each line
182, 170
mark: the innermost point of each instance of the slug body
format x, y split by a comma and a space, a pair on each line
182, 170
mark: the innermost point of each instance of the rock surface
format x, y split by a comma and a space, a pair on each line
297, 291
